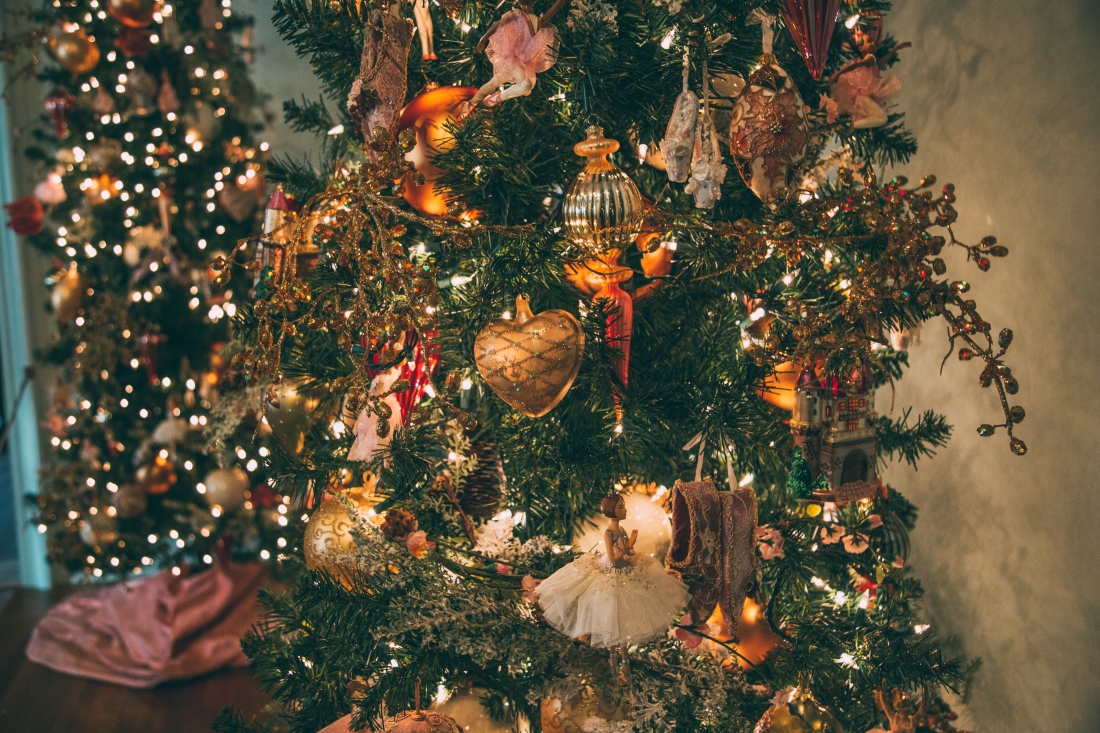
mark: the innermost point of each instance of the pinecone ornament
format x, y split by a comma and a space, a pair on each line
484, 486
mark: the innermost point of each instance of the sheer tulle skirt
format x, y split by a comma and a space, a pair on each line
611, 605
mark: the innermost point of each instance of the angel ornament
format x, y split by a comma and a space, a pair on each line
615, 599
520, 45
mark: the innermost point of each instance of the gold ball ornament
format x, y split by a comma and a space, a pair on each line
133, 13
67, 296
328, 542
574, 715
74, 50
465, 704
226, 487
295, 411
156, 477
603, 208
798, 712
428, 115
530, 361
778, 389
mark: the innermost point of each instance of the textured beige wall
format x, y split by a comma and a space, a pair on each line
1004, 100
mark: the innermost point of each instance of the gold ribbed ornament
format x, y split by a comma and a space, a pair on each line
603, 207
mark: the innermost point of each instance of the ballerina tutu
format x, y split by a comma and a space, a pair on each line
516, 53
613, 605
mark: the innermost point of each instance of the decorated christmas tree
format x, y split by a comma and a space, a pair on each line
625, 305
151, 171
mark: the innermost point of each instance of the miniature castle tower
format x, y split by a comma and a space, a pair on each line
848, 453
807, 418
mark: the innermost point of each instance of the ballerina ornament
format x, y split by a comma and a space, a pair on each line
615, 599
521, 45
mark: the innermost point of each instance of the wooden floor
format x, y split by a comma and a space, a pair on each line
34, 699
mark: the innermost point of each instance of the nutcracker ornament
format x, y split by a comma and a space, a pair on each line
520, 46
769, 130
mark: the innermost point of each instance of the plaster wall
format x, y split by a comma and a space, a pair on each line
1002, 97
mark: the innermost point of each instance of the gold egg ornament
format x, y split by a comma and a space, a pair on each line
603, 208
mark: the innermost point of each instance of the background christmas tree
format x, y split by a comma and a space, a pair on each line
151, 170
745, 296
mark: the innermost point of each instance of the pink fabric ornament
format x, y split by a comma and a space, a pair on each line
418, 543
145, 632
529, 584
503, 569
860, 93
875, 521
50, 191
167, 101
517, 53
689, 639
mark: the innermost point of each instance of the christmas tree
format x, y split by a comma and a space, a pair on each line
500, 340
151, 171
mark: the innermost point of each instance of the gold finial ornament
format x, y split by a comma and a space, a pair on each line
603, 207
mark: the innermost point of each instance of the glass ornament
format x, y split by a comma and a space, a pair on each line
603, 207
811, 24
530, 362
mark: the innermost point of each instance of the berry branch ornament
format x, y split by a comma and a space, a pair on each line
883, 272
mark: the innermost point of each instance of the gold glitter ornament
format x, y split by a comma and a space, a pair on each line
530, 361
225, 488
603, 207
329, 543
798, 712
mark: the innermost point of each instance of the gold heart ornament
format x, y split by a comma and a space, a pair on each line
531, 361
